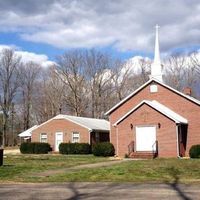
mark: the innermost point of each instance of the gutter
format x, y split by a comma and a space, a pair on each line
177, 143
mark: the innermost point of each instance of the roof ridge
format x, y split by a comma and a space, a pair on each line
79, 117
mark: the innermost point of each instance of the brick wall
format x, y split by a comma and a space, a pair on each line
177, 103
165, 135
60, 125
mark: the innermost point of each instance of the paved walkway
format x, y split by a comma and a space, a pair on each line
99, 191
11, 151
85, 166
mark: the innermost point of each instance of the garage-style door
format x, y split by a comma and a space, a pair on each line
146, 138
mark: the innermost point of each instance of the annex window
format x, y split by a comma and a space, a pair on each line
97, 137
43, 137
75, 137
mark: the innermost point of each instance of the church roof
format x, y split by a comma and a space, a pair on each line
144, 85
160, 108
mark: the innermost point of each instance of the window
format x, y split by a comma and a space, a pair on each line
43, 137
153, 88
97, 137
75, 137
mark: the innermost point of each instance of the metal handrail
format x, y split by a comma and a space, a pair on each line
155, 152
131, 147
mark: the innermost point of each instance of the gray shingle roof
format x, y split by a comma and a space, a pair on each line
89, 123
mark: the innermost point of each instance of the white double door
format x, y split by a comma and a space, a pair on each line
145, 138
58, 140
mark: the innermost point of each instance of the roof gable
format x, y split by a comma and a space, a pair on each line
158, 107
27, 133
89, 123
143, 86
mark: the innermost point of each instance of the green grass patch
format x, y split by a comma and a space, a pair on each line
23, 167
17, 167
159, 170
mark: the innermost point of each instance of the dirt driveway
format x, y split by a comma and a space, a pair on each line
104, 191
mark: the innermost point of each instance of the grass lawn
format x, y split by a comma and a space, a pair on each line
16, 168
158, 170
21, 169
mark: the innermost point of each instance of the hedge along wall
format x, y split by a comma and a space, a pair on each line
195, 151
103, 149
74, 148
35, 148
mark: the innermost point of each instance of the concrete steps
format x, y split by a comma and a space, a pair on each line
146, 155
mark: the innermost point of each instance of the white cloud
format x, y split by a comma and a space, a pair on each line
134, 64
29, 56
126, 24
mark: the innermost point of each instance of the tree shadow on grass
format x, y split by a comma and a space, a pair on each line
175, 174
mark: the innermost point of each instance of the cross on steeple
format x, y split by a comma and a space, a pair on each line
156, 68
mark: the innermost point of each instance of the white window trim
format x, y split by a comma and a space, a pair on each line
153, 88
75, 132
43, 137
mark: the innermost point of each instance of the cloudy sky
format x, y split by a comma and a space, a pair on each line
125, 28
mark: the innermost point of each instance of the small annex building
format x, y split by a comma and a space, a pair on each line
26, 135
66, 128
155, 120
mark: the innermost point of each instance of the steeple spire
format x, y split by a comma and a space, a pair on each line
156, 67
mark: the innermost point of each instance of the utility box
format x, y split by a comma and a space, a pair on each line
1, 157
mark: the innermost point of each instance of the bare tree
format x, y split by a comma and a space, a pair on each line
72, 72
128, 76
144, 71
49, 96
174, 71
9, 82
195, 61
120, 78
180, 72
98, 74
55, 91
28, 76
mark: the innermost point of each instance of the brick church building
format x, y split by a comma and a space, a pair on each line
155, 120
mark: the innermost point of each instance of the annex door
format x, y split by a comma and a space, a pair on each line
58, 140
146, 138
182, 139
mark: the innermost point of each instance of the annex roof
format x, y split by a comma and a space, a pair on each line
89, 123
27, 133
144, 85
160, 108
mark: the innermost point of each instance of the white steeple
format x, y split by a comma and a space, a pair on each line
156, 67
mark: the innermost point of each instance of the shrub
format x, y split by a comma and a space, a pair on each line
195, 151
103, 149
35, 148
74, 148
26, 148
41, 148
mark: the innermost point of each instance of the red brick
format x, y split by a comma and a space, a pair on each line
167, 133
60, 125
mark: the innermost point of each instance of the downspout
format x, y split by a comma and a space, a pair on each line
177, 143
117, 141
